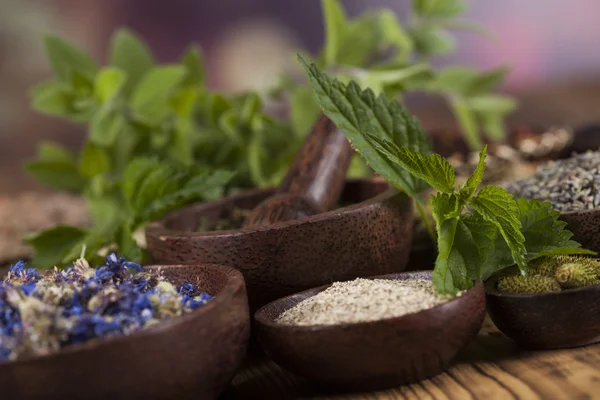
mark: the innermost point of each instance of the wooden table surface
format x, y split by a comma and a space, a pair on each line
490, 368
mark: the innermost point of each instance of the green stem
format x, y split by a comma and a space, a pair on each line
426, 221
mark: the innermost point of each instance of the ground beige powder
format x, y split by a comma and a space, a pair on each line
363, 300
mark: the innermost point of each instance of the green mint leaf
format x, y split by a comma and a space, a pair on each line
182, 103
485, 82
181, 148
431, 168
194, 63
468, 189
304, 110
53, 98
429, 41
49, 151
362, 39
492, 103
439, 8
93, 161
65, 57
335, 25
394, 34
109, 82
56, 174
467, 121
131, 55
358, 112
135, 173
150, 97
106, 211
493, 125
454, 79
50, 246
499, 207
106, 126
81, 84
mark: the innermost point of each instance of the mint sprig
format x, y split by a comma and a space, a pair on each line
480, 230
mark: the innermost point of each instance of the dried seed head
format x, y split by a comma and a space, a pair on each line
517, 284
578, 274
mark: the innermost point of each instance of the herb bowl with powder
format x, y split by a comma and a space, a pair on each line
121, 331
370, 334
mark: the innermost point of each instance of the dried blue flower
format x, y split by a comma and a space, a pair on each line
81, 303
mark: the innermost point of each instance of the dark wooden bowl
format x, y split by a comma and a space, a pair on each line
193, 356
570, 318
585, 226
372, 355
369, 238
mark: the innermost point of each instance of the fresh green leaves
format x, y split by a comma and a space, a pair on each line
129, 54
431, 168
359, 113
66, 58
150, 188
480, 231
56, 167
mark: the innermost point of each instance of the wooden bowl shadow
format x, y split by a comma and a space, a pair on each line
370, 237
193, 356
566, 319
372, 355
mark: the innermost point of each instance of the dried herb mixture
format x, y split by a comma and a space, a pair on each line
41, 314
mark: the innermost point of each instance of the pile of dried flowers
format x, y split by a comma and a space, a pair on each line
40, 314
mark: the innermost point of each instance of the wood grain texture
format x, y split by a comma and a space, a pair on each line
491, 367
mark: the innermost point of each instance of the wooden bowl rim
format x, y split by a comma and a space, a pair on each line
159, 229
580, 212
493, 292
260, 315
234, 282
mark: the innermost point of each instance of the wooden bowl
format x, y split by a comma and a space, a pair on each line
372, 355
193, 356
369, 238
585, 226
570, 318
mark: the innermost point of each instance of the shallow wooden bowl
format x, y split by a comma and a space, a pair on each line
372, 355
369, 238
547, 321
193, 356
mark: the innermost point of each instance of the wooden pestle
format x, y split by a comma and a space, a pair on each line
315, 180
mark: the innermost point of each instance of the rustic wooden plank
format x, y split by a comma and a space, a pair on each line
492, 367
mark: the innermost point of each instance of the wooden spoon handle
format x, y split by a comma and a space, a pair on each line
319, 170
315, 180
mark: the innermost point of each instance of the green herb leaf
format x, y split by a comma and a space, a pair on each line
492, 103
304, 110
471, 185
394, 33
65, 57
429, 40
106, 126
109, 83
335, 25
450, 271
131, 55
56, 174
497, 206
193, 62
431, 168
49, 151
51, 245
468, 122
150, 97
358, 112
93, 161
439, 8
53, 98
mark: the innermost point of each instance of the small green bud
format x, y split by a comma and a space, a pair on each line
517, 284
582, 272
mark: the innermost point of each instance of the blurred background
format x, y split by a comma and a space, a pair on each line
551, 45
